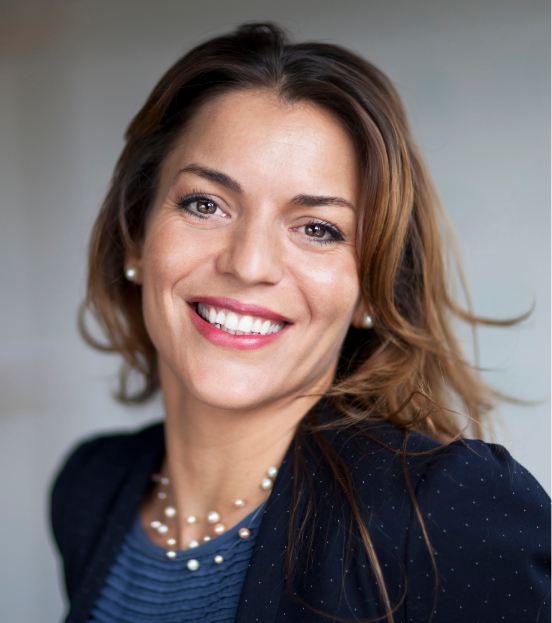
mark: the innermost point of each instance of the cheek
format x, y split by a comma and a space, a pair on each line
167, 250
168, 258
172, 252
330, 286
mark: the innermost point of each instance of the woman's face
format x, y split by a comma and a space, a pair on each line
252, 230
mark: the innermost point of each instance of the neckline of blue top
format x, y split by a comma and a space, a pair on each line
218, 545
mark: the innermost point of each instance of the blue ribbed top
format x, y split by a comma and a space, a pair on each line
144, 585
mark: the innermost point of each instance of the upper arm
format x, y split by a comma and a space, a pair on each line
488, 523
66, 486
81, 498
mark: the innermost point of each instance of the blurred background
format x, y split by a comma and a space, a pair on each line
475, 78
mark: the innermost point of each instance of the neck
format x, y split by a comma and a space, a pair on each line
217, 456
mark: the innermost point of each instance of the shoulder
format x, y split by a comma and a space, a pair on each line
451, 482
477, 492
469, 470
90, 479
486, 521
479, 476
102, 458
113, 448
473, 531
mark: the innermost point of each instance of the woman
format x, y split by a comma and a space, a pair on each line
269, 256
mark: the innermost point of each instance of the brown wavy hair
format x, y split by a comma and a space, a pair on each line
409, 369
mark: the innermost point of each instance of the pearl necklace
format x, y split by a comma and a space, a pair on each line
213, 518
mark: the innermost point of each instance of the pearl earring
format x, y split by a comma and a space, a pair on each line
130, 273
367, 322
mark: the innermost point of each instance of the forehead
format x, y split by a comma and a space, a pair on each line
255, 137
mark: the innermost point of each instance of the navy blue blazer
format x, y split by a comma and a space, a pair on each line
487, 518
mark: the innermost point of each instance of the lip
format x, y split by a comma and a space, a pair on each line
245, 309
227, 340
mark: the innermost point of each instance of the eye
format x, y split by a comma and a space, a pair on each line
204, 207
200, 207
316, 230
322, 232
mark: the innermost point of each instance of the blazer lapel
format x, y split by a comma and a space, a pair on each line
265, 578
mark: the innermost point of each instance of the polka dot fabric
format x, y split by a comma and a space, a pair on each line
489, 527
487, 519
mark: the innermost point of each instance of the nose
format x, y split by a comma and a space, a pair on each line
253, 253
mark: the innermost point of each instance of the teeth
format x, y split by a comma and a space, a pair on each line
231, 321
246, 324
238, 325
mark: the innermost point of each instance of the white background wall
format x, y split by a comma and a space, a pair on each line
475, 79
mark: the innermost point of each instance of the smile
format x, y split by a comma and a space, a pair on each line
240, 326
237, 324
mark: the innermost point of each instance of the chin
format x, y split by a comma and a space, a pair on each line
243, 381
233, 395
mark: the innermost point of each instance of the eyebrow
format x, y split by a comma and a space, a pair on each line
213, 176
312, 201
222, 179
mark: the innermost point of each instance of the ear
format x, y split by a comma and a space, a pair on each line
133, 260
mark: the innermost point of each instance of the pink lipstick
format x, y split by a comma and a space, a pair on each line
221, 337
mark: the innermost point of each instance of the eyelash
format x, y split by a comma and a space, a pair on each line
185, 201
336, 236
